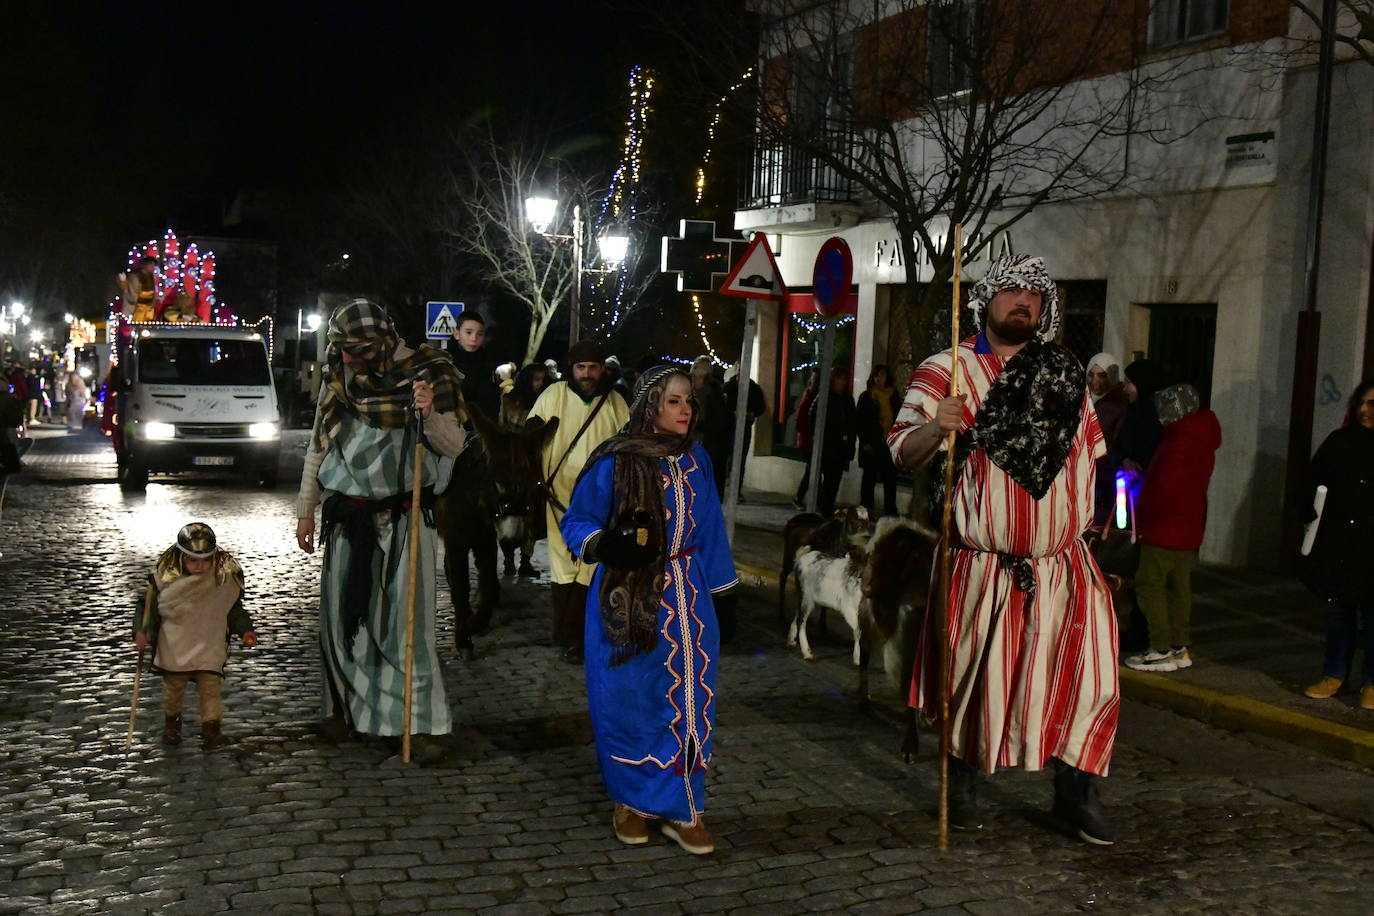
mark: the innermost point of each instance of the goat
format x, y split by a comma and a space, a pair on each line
843, 533
833, 582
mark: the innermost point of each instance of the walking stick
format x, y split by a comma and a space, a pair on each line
947, 514
415, 512
138, 666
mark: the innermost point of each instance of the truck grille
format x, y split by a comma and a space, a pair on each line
212, 431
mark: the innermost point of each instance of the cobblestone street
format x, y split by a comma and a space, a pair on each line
811, 805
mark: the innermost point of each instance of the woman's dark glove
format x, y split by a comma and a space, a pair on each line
725, 615
620, 550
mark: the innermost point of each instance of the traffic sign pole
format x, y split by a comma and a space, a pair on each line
742, 379
823, 394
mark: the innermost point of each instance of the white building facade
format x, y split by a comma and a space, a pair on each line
1199, 266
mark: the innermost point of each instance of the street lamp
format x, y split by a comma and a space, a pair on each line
540, 212
309, 322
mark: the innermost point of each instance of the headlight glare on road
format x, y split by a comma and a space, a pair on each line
262, 431
155, 430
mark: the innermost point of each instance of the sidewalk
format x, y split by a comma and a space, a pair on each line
1257, 641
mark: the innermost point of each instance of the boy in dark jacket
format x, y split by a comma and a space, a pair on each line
1170, 518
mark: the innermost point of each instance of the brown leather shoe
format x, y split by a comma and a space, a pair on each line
210, 735
171, 731
630, 828
334, 730
1325, 689
1367, 697
694, 838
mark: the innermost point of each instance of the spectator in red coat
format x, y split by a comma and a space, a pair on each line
1171, 516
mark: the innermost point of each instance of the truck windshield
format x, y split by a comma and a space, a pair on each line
202, 361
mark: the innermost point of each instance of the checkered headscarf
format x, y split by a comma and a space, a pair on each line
1018, 272
382, 397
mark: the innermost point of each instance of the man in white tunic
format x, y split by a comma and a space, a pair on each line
589, 412
1031, 633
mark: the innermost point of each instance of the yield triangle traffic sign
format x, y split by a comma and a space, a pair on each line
756, 276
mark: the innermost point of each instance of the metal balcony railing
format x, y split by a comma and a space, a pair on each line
783, 174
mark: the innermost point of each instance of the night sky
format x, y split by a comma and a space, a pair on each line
118, 122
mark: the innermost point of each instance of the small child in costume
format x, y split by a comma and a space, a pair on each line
193, 602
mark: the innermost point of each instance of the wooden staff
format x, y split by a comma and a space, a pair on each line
415, 512
138, 667
947, 515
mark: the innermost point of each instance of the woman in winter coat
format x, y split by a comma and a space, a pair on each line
877, 408
1339, 567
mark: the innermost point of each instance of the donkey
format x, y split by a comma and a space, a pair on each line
495, 490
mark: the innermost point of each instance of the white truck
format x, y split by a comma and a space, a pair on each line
193, 397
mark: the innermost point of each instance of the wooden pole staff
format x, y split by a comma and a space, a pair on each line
947, 515
138, 666
415, 513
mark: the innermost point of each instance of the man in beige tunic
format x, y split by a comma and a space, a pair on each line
589, 412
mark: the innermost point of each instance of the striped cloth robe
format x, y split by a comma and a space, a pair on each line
1030, 678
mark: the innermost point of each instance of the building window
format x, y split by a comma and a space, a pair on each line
949, 46
1174, 22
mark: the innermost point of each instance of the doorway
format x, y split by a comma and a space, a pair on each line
1183, 341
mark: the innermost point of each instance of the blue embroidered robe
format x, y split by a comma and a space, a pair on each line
652, 715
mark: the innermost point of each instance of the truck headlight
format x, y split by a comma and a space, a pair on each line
263, 431
155, 430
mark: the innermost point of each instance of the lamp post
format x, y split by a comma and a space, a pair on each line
303, 321
541, 211
10, 320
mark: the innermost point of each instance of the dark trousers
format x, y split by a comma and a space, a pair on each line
1344, 623
805, 481
569, 614
887, 473
830, 488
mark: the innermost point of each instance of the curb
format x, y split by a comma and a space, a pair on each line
756, 576
1222, 710
1247, 715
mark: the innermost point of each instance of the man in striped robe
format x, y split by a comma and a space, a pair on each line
1032, 674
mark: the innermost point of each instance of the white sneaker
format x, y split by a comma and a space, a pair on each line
1181, 658
1152, 661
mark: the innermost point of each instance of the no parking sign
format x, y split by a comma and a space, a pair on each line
832, 276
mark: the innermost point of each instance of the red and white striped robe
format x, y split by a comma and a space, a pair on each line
1027, 680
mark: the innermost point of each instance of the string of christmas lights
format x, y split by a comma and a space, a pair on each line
701, 328
711, 133
620, 207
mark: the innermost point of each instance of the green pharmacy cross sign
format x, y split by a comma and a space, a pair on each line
699, 259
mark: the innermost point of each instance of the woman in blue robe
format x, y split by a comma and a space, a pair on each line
655, 611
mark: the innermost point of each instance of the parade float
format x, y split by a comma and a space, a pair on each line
189, 387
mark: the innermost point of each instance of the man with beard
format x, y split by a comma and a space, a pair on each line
1031, 638
589, 412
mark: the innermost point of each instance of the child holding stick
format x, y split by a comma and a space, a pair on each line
194, 600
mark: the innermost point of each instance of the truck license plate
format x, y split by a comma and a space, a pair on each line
213, 460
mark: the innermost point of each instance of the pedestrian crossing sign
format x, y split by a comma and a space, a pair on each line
441, 319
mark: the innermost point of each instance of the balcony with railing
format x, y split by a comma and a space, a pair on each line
796, 188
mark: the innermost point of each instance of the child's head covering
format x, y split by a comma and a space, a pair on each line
196, 541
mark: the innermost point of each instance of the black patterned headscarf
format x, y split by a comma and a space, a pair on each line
381, 397
1018, 272
630, 597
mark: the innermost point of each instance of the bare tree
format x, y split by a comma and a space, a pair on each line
488, 224
936, 112
1354, 25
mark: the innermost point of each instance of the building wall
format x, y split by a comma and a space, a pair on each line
1238, 243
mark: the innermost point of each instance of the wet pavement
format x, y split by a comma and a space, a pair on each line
811, 805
